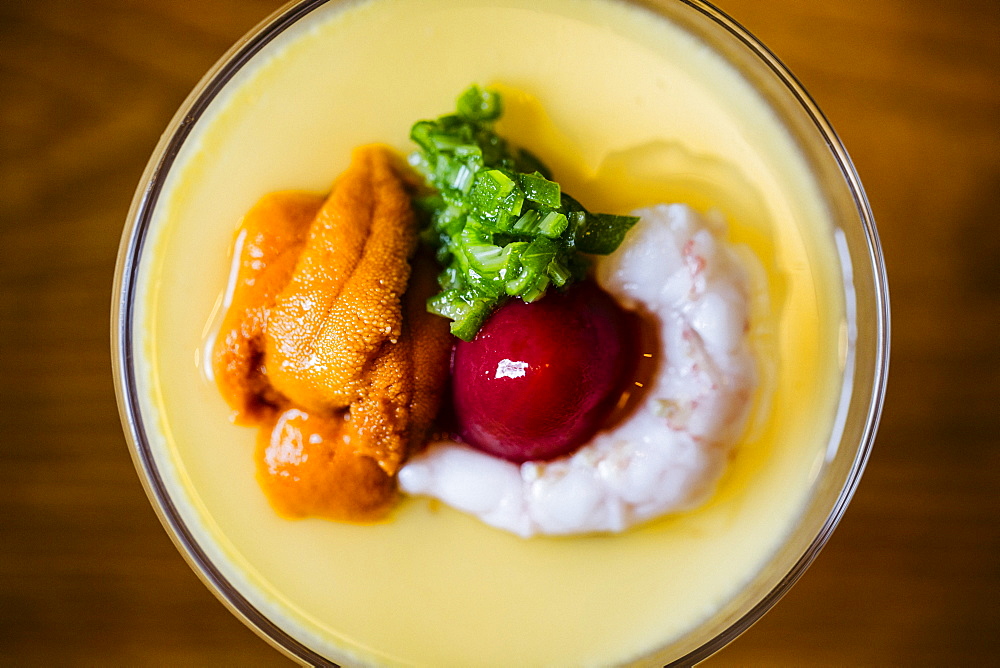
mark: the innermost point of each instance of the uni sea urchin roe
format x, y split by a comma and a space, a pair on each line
327, 346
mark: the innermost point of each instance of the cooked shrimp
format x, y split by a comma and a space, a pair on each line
668, 453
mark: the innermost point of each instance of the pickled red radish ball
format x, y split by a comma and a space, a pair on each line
539, 379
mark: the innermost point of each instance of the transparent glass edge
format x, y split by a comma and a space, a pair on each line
881, 331
135, 231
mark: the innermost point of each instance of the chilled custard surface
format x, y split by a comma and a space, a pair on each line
628, 110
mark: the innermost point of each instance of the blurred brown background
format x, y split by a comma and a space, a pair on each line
89, 577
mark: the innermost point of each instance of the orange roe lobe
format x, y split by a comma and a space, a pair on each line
268, 245
328, 347
430, 351
342, 304
307, 467
395, 411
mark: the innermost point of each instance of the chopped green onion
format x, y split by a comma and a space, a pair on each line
558, 272
535, 291
527, 223
538, 254
479, 105
499, 225
602, 233
539, 189
553, 224
486, 257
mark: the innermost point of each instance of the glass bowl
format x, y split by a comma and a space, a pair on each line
257, 122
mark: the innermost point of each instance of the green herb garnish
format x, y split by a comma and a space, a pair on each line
500, 226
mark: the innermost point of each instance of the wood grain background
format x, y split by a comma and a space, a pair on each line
88, 576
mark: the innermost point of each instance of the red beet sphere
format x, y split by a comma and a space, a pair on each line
538, 379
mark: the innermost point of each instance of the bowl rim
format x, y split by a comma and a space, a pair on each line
134, 239
130, 252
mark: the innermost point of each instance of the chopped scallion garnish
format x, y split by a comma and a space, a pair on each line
500, 226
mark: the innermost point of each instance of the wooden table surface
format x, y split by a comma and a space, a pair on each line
89, 577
